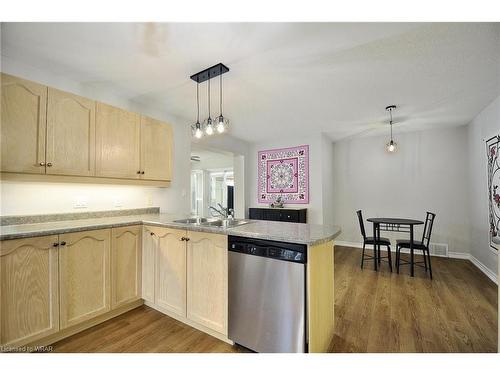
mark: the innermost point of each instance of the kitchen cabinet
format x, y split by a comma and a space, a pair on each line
29, 297
149, 244
207, 272
156, 150
23, 125
64, 137
70, 134
126, 265
117, 142
84, 275
170, 270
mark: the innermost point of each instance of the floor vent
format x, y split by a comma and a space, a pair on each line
439, 249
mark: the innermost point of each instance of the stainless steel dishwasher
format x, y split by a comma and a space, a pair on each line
267, 304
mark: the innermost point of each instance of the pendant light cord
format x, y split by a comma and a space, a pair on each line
390, 112
220, 91
197, 102
208, 97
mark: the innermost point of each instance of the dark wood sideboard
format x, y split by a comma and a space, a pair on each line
292, 215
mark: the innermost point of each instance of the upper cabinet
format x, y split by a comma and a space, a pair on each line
46, 131
70, 134
118, 142
23, 125
156, 150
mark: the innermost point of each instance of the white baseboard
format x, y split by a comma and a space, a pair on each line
491, 275
484, 269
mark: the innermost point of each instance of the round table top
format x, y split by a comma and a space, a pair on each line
394, 220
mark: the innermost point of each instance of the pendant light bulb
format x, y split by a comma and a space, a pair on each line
210, 127
198, 133
220, 125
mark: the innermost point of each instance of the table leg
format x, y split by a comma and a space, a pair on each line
374, 246
411, 251
378, 242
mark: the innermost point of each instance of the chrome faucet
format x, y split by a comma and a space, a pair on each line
227, 213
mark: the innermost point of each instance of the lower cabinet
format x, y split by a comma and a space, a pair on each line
71, 280
170, 270
29, 291
84, 275
126, 265
190, 275
207, 273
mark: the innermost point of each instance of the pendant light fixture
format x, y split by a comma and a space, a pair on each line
209, 126
391, 146
222, 123
196, 128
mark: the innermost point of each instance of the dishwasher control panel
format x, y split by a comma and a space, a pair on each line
269, 249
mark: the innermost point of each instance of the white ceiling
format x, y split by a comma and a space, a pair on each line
285, 78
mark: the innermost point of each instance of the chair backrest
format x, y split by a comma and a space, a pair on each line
361, 224
426, 235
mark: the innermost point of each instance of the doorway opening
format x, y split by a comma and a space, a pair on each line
216, 183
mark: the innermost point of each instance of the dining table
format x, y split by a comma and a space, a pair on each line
392, 224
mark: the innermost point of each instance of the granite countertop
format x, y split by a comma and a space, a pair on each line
279, 231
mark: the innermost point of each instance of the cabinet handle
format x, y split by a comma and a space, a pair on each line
49, 164
42, 164
183, 239
138, 172
55, 244
152, 233
186, 239
63, 243
142, 172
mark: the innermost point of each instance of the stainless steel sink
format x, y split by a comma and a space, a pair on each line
192, 220
225, 223
212, 222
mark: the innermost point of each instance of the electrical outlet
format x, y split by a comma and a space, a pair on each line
150, 200
81, 203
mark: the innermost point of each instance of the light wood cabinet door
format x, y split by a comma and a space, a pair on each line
70, 134
170, 270
29, 292
156, 149
84, 275
207, 280
23, 125
117, 142
149, 244
126, 269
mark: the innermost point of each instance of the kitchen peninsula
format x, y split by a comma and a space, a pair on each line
91, 267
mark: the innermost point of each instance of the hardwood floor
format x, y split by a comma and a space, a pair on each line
143, 330
384, 312
374, 312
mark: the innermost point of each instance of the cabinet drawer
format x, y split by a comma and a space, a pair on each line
289, 215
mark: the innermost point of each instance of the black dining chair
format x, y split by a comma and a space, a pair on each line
371, 241
418, 245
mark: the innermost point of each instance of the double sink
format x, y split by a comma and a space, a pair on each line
212, 222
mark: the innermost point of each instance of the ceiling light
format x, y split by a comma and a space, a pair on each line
220, 123
209, 126
196, 128
391, 146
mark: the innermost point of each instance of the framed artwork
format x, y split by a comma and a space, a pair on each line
284, 173
492, 151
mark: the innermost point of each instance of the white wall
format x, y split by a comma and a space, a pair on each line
428, 173
485, 125
18, 198
317, 173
